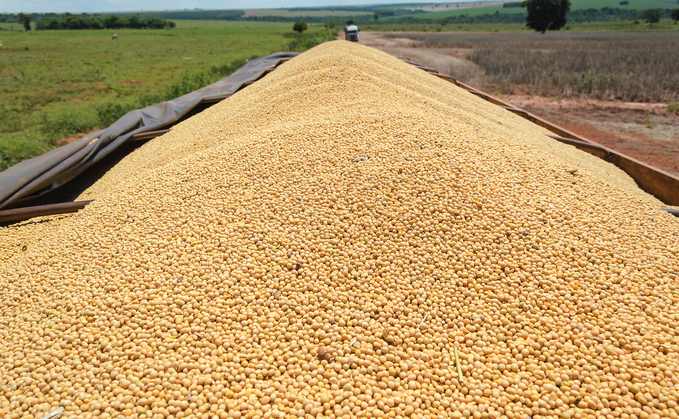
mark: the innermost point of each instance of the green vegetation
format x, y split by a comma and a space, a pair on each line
444, 27
634, 5
582, 11
665, 24
300, 26
58, 84
651, 16
296, 13
25, 20
108, 22
546, 15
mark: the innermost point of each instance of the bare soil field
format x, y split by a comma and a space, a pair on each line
644, 130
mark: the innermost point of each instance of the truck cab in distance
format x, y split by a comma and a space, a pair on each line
351, 33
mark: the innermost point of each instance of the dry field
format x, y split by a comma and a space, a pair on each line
639, 67
611, 87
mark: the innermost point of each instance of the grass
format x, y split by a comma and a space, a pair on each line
303, 13
615, 4
58, 84
631, 66
473, 11
575, 5
437, 27
664, 24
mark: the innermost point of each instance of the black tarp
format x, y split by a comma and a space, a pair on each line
32, 178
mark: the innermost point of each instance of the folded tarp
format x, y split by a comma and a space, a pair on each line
32, 178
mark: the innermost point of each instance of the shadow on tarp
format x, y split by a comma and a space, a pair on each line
40, 180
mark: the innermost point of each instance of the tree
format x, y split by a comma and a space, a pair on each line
74, 22
376, 16
546, 15
97, 23
155, 23
112, 22
25, 19
53, 24
134, 22
674, 14
651, 16
300, 26
329, 24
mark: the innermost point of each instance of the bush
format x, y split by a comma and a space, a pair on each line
53, 24
97, 24
112, 22
111, 112
65, 124
329, 24
300, 26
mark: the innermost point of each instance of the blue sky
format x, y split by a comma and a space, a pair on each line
79, 6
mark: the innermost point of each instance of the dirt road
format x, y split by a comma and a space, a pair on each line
645, 131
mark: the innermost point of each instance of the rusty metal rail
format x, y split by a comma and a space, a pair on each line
26, 213
595, 149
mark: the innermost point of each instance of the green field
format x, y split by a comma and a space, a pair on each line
310, 13
615, 4
437, 27
663, 25
575, 5
474, 11
57, 84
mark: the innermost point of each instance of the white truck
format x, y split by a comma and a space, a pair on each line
351, 33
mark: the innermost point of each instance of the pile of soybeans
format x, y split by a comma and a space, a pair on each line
322, 243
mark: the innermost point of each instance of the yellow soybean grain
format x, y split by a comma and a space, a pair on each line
352, 203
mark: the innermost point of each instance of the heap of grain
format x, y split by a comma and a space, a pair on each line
320, 245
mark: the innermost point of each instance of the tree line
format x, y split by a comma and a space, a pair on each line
541, 15
84, 21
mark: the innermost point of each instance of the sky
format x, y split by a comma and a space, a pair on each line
93, 6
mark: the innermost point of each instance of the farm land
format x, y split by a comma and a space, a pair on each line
617, 88
58, 85
481, 9
590, 77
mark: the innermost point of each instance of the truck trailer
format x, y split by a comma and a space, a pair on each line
351, 33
